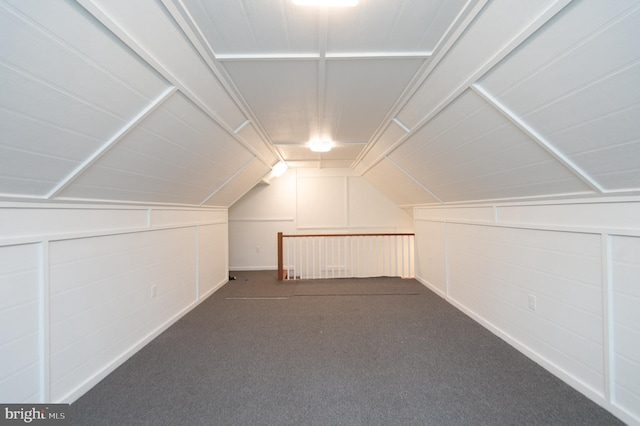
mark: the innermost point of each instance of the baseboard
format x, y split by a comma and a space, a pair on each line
554, 369
213, 290
253, 268
431, 287
72, 396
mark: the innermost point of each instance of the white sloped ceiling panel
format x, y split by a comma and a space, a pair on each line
271, 27
150, 29
397, 186
251, 137
577, 83
499, 22
349, 85
390, 135
470, 151
67, 87
282, 95
235, 188
176, 155
382, 25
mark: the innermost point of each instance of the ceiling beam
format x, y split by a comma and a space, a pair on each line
468, 13
121, 33
226, 182
485, 67
78, 171
538, 138
194, 34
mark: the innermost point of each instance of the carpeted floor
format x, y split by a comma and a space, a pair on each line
381, 351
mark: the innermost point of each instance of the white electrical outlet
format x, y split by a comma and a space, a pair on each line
154, 291
532, 302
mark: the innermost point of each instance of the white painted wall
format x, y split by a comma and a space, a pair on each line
82, 288
560, 281
307, 201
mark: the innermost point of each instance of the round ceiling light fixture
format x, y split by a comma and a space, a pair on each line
320, 145
326, 3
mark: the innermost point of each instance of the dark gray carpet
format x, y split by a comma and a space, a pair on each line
383, 351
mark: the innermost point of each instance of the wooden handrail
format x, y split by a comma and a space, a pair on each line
347, 235
282, 274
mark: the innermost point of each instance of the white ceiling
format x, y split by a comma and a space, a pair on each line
191, 102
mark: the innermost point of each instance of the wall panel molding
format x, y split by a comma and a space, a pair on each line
63, 263
591, 261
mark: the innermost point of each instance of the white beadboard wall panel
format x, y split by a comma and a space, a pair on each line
482, 214
249, 134
493, 271
430, 241
176, 155
349, 83
562, 99
582, 272
375, 28
78, 288
253, 242
101, 298
397, 186
285, 28
313, 196
162, 39
65, 97
304, 201
612, 215
213, 258
626, 317
245, 179
20, 278
275, 96
361, 195
30, 221
471, 150
171, 217
260, 199
467, 55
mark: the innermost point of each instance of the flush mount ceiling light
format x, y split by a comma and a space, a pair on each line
326, 3
320, 145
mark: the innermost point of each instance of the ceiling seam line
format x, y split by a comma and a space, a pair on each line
401, 124
485, 67
84, 166
148, 58
207, 54
233, 176
424, 72
397, 166
242, 126
266, 57
537, 138
22, 196
323, 23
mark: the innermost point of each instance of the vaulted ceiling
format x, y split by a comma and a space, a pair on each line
191, 102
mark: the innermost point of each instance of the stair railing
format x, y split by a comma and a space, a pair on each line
325, 256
